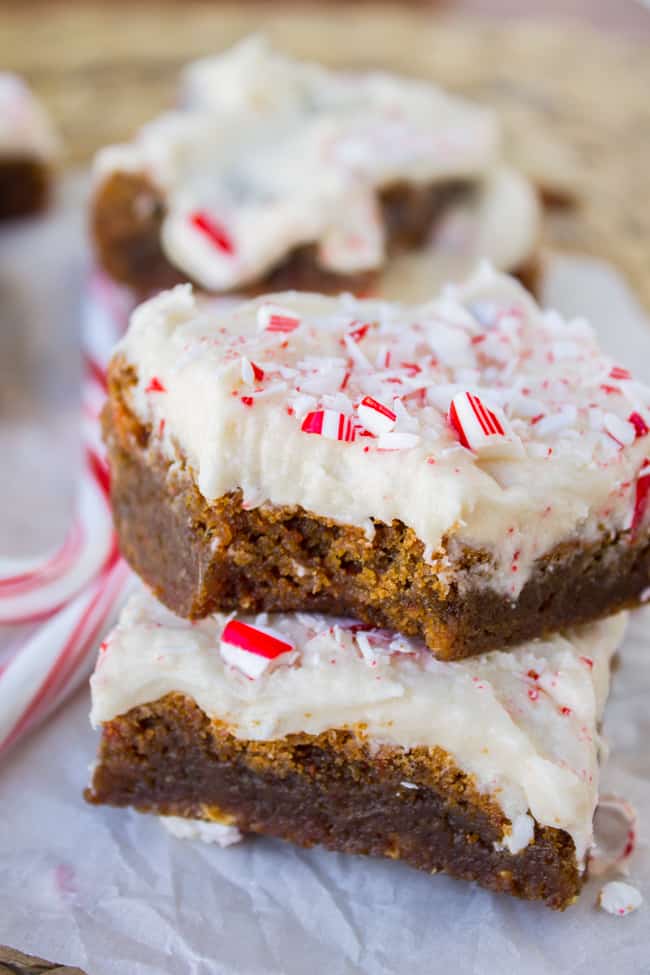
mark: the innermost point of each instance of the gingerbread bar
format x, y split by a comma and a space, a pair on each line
28, 149
278, 174
323, 731
474, 471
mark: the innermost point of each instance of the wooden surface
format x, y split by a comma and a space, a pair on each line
14, 962
575, 103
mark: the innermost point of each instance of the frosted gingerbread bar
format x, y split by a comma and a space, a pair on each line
29, 148
473, 471
323, 731
280, 174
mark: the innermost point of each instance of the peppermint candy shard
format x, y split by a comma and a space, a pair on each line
255, 650
329, 424
376, 417
250, 372
640, 426
214, 231
271, 318
483, 429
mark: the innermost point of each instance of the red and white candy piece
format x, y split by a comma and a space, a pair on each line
214, 231
271, 318
250, 372
376, 417
255, 650
640, 424
482, 428
619, 372
329, 424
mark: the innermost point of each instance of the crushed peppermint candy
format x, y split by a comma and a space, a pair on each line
255, 650
251, 373
274, 319
213, 230
329, 424
641, 428
619, 898
376, 417
482, 428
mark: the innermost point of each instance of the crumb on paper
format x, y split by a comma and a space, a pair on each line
222, 834
619, 898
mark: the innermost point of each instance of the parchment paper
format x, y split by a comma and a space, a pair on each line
111, 892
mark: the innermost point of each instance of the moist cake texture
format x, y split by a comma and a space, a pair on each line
472, 471
357, 738
279, 173
28, 149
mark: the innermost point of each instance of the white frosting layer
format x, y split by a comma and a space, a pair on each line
573, 480
524, 723
25, 128
277, 153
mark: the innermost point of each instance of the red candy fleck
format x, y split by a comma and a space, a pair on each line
359, 332
587, 661
618, 372
533, 674
247, 400
155, 386
533, 693
213, 230
640, 426
412, 367
565, 711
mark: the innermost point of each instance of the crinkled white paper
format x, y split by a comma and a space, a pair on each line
112, 892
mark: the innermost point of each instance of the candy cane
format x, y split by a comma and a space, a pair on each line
75, 589
36, 594
57, 658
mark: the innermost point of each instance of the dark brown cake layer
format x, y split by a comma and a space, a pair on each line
169, 758
24, 186
201, 557
128, 211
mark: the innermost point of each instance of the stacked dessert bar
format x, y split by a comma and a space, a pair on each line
384, 546
275, 173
